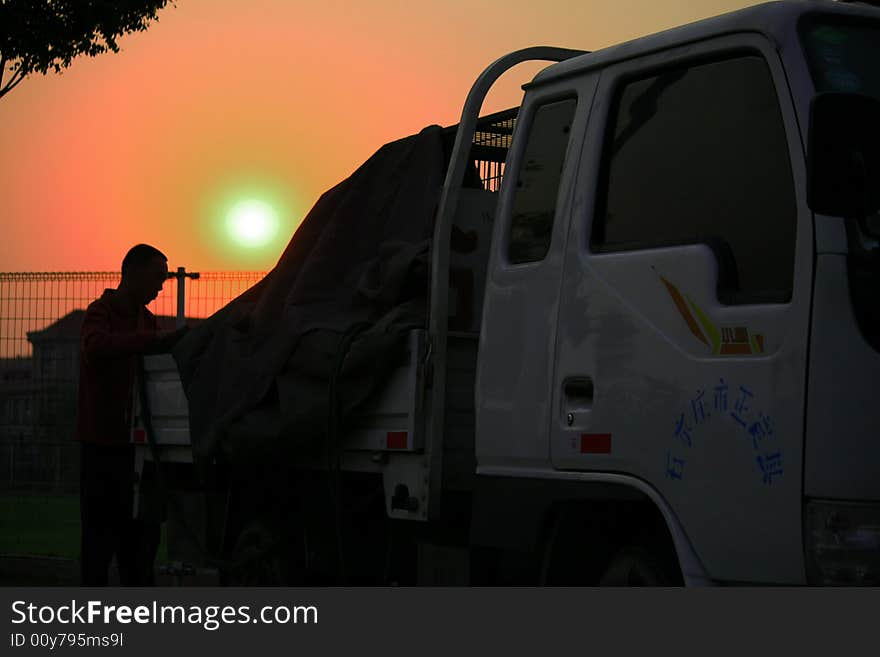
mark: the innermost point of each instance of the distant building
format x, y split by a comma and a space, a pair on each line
56, 349
56, 371
17, 391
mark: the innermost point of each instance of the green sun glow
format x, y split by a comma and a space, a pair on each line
252, 223
247, 218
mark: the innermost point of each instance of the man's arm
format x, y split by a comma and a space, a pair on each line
165, 340
98, 341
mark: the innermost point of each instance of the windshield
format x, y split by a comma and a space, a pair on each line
843, 56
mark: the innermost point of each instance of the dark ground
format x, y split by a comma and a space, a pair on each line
39, 544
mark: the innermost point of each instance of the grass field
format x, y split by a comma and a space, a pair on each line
39, 524
44, 524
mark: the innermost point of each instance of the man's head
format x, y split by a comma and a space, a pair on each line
144, 270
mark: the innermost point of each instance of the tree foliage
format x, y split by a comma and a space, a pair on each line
41, 35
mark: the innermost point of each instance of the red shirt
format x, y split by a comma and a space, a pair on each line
112, 337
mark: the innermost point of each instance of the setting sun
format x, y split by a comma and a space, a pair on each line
252, 223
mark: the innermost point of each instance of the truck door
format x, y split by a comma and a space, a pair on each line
682, 331
515, 364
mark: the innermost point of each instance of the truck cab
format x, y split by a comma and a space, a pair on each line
684, 323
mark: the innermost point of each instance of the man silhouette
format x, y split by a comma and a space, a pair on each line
116, 330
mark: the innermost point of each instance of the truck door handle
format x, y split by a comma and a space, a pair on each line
578, 393
577, 398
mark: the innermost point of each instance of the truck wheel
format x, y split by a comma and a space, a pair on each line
573, 552
258, 558
636, 566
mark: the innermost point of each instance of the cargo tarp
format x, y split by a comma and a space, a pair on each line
336, 308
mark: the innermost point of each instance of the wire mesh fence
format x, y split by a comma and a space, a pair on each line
40, 318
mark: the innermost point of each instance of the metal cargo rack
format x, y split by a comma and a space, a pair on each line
489, 147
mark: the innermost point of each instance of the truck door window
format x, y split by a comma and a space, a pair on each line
534, 203
699, 154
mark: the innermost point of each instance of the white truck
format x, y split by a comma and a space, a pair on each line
668, 373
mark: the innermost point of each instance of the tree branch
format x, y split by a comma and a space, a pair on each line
48, 35
13, 83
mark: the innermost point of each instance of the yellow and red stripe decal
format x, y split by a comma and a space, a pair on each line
682, 306
710, 328
731, 341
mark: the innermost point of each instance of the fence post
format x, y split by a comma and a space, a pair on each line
181, 277
57, 465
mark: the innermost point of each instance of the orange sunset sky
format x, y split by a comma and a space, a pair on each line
267, 100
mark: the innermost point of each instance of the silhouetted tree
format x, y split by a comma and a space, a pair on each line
38, 35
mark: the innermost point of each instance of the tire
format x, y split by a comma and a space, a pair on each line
636, 566
573, 552
259, 558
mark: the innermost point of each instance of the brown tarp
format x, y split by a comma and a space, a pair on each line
336, 309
